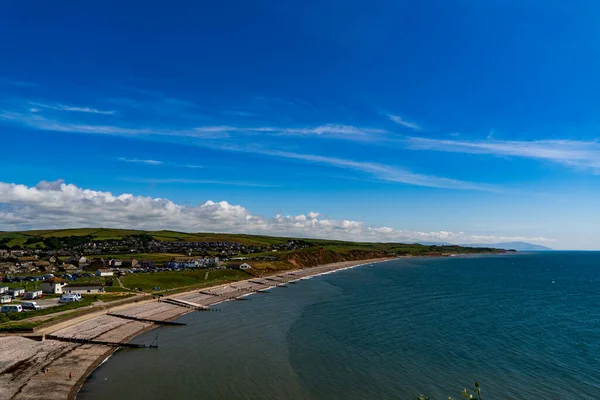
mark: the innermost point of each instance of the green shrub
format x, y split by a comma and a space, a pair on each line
475, 394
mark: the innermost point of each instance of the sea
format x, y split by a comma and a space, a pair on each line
525, 326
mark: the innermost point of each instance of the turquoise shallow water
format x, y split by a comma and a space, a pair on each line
387, 331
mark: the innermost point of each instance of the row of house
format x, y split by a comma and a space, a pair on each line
183, 262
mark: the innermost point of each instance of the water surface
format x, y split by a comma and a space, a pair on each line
525, 326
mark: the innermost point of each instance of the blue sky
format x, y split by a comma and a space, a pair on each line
462, 121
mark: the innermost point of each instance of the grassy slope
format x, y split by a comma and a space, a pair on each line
173, 280
104, 234
165, 235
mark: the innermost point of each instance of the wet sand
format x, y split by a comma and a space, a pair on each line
23, 360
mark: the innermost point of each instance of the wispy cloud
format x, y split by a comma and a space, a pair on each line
160, 96
579, 154
12, 82
239, 113
333, 129
378, 171
39, 122
138, 161
156, 162
400, 121
195, 181
62, 107
347, 132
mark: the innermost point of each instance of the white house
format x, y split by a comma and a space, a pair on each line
114, 262
3, 289
53, 285
104, 272
83, 262
240, 266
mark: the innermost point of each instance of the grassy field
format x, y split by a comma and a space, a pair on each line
18, 238
157, 257
86, 301
172, 280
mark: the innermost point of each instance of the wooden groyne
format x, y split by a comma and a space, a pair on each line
184, 303
153, 321
224, 296
280, 283
286, 280
100, 342
259, 283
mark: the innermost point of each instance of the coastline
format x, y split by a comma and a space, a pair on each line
24, 359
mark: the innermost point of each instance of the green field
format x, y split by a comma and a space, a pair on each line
156, 257
175, 280
18, 238
86, 301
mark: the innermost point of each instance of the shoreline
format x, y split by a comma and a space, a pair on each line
24, 359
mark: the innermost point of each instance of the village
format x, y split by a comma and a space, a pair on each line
32, 279
139, 243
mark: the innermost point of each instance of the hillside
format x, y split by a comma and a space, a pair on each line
34, 239
12, 239
267, 252
519, 246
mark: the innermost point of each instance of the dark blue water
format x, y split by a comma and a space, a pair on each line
525, 326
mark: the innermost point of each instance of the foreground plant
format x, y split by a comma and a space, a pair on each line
474, 395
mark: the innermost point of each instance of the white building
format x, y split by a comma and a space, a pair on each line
240, 266
104, 272
53, 286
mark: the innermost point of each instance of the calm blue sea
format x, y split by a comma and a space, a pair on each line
525, 326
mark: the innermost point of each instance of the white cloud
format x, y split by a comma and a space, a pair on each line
333, 129
39, 122
137, 161
194, 181
52, 205
52, 185
404, 123
62, 107
329, 130
36, 121
156, 162
382, 172
581, 154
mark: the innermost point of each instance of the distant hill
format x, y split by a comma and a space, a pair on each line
436, 244
519, 246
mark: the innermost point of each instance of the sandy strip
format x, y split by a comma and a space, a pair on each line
23, 360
